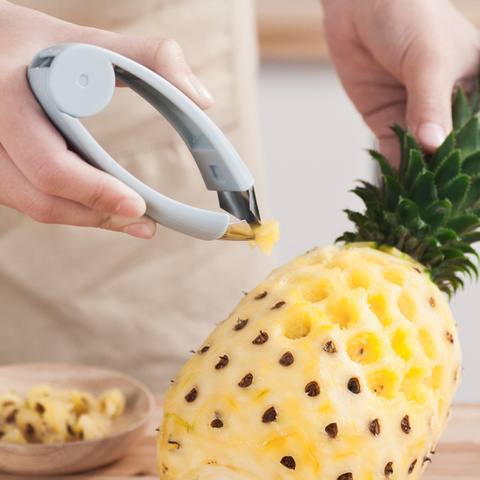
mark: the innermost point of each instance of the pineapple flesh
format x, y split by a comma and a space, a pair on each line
343, 363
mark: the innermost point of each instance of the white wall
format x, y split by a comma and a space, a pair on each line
314, 141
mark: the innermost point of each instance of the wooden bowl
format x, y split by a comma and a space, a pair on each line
78, 456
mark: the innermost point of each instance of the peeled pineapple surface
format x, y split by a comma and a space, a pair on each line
341, 365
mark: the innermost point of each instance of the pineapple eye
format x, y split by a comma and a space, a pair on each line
173, 445
332, 430
312, 389
346, 476
286, 359
450, 337
240, 324
261, 338
204, 349
191, 396
261, 295
279, 304
222, 363
288, 462
330, 347
246, 381
354, 385
270, 415
405, 425
389, 469
216, 423
374, 427
412, 466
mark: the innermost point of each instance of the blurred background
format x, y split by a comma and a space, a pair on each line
314, 145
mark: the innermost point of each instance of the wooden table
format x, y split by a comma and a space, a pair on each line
457, 456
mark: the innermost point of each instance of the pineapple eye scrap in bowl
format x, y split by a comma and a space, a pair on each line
57, 419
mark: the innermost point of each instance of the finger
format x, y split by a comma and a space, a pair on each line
429, 102
162, 55
18, 193
41, 154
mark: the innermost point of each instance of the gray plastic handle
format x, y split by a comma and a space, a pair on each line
72, 81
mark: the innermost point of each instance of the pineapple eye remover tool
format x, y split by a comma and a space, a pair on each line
72, 81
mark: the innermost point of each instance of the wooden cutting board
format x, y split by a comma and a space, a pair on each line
457, 456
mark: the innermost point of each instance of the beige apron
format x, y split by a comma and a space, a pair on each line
90, 296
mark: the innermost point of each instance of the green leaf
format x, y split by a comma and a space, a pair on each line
460, 110
368, 193
470, 238
437, 214
444, 235
456, 191
463, 224
385, 167
423, 192
443, 151
416, 166
407, 211
467, 137
450, 168
392, 191
471, 164
473, 194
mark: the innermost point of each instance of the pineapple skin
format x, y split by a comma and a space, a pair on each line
356, 351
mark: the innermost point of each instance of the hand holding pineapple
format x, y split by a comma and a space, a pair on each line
399, 61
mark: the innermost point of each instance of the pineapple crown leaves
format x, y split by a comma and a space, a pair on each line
430, 207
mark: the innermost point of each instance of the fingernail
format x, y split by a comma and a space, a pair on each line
430, 135
139, 230
200, 88
131, 207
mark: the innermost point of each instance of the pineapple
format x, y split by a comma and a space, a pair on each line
343, 363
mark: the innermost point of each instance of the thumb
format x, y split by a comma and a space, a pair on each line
162, 55
429, 105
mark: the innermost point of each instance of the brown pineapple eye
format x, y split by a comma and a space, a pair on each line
354, 385
286, 359
374, 427
332, 430
389, 469
222, 363
405, 424
241, 323
270, 415
246, 381
330, 347
261, 338
288, 462
312, 389
216, 423
191, 395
